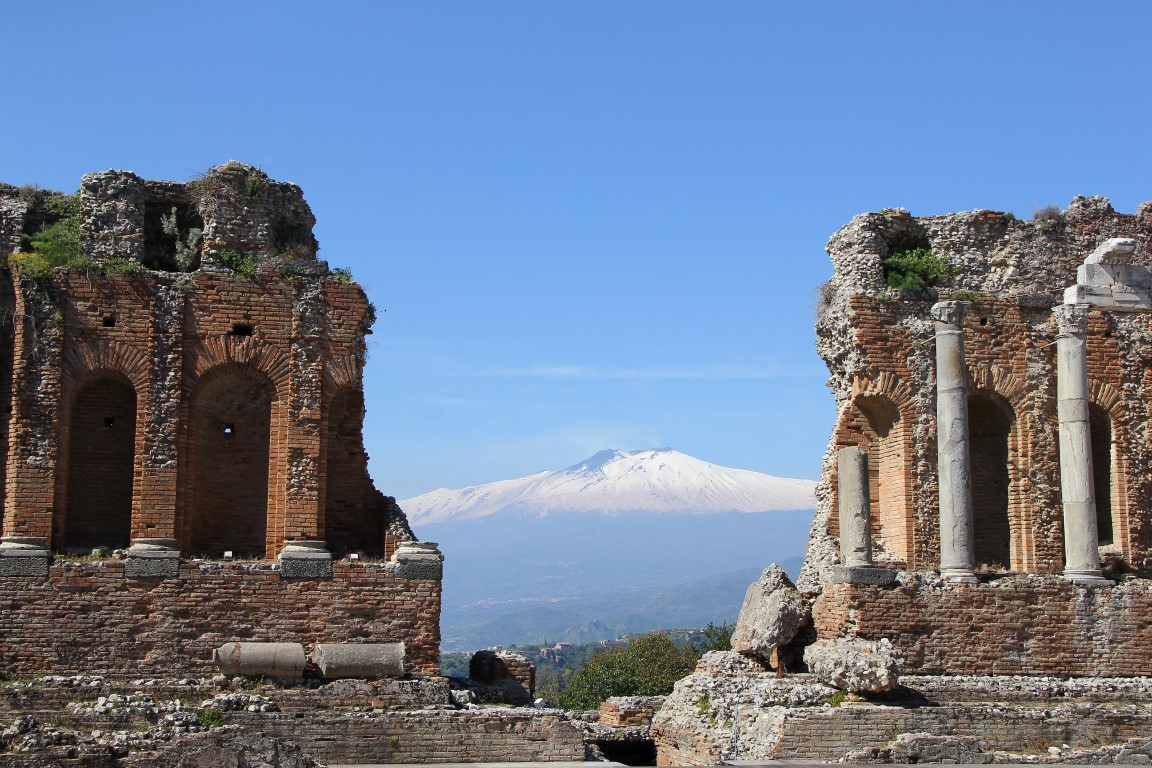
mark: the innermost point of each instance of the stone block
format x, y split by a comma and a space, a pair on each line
418, 560
24, 556
368, 660
854, 665
772, 613
1135, 275
1097, 274
268, 659
33, 566
881, 577
152, 567
152, 559
305, 560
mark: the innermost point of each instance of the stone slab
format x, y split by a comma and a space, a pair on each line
305, 568
152, 566
30, 565
881, 577
428, 571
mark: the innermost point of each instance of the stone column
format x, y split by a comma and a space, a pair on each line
955, 462
855, 507
856, 522
1077, 490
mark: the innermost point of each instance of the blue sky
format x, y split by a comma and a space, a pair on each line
591, 224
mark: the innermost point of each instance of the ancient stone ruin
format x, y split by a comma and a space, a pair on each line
984, 523
181, 459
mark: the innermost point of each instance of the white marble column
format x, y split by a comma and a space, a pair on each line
855, 507
1077, 489
955, 462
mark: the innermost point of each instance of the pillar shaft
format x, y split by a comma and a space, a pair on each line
1077, 489
855, 507
955, 463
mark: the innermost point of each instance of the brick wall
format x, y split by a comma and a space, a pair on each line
88, 618
1033, 625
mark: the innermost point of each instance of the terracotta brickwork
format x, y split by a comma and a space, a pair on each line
88, 618
1017, 625
880, 347
190, 381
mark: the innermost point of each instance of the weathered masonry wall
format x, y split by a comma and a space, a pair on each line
1019, 625
86, 617
879, 346
181, 389
997, 312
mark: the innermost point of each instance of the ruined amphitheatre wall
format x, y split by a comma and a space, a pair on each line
880, 349
189, 397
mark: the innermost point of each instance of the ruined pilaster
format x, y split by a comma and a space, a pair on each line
154, 507
955, 463
1077, 490
304, 552
30, 501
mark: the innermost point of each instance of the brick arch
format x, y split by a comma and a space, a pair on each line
232, 468
344, 371
84, 358
879, 419
246, 351
1012, 393
1110, 447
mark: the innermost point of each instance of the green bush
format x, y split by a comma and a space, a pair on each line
648, 666
914, 269
114, 265
209, 718
243, 264
1047, 217
717, 637
342, 275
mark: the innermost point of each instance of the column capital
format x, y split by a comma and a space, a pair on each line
950, 312
1071, 318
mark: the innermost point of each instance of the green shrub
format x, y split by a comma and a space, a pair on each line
243, 264
188, 249
342, 275
648, 666
914, 269
209, 718
1047, 217
717, 637
114, 265
969, 296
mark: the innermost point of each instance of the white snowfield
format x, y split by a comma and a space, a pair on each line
613, 482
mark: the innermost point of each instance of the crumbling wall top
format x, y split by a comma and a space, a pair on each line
986, 252
232, 216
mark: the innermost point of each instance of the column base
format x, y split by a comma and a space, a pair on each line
1087, 578
152, 559
863, 574
418, 560
24, 556
305, 560
959, 575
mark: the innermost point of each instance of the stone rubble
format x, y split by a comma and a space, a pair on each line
854, 665
772, 613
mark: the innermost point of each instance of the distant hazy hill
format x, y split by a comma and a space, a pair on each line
604, 616
666, 540
616, 482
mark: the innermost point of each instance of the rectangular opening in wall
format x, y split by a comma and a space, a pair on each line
242, 329
110, 321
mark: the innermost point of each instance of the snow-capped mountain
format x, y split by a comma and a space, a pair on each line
613, 482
